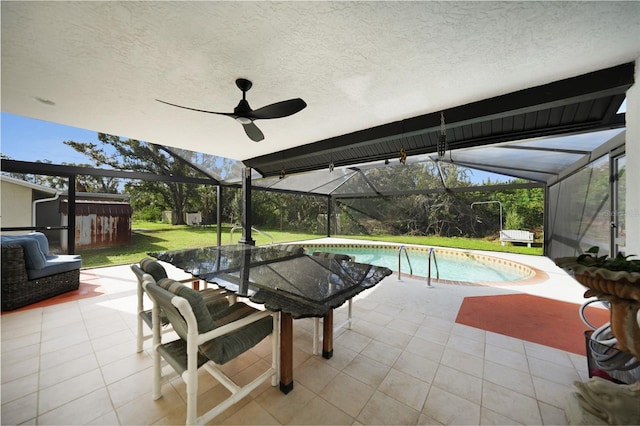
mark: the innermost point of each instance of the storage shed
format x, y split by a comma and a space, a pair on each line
98, 223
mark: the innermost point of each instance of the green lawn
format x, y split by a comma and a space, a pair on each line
149, 236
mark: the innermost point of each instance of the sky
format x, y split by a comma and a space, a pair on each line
27, 139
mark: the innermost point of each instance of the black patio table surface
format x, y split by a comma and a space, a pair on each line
282, 280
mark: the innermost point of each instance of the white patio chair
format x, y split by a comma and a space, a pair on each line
157, 271
207, 341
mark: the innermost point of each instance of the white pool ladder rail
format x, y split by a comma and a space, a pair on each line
406, 253
432, 254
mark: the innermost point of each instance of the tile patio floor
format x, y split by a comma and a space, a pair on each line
405, 361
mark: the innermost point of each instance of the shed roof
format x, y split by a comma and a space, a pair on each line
100, 208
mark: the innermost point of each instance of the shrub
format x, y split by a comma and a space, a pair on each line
513, 220
148, 214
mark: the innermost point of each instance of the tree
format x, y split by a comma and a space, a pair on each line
222, 169
134, 155
440, 210
524, 207
292, 212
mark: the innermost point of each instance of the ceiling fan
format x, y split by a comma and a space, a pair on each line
244, 115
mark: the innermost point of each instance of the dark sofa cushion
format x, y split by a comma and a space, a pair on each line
56, 264
33, 256
43, 242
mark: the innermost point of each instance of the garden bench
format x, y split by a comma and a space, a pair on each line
516, 236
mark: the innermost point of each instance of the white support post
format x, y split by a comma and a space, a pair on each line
632, 152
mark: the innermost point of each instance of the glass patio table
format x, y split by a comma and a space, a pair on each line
283, 279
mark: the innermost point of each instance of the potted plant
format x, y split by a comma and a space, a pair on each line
614, 279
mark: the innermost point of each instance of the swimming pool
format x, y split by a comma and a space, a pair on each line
455, 266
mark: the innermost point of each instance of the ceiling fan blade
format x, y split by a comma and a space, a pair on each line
253, 132
229, 114
278, 110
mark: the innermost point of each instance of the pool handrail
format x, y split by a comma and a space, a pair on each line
432, 252
406, 253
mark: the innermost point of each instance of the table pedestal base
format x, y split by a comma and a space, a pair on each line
286, 347
285, 389
286, 353
327, 335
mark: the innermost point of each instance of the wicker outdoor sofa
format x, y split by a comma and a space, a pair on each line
31, 274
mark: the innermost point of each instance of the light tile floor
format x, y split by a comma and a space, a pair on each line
405, 361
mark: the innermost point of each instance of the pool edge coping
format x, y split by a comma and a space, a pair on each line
536, 275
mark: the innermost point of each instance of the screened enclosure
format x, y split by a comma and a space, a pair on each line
559, 188
587, 205
427, 194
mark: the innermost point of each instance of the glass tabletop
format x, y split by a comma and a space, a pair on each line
289, 272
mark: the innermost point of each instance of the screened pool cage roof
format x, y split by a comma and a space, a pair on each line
533, 162
524, 163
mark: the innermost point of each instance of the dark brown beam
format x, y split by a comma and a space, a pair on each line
544, 149
489, 188
612, 82
47, 169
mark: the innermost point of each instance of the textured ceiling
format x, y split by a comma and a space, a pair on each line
356, 64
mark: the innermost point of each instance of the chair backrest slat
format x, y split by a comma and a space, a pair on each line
163, 299
138, 272
195, 300
153, 268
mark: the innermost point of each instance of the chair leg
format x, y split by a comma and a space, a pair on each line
140, 338
316, 335
157, 360
190, 378
275, 349
316, 328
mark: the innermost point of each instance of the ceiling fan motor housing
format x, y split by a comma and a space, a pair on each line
242, 109
244, 84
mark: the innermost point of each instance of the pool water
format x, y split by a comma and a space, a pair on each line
452, 266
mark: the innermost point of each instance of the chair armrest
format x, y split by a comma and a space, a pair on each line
228, 328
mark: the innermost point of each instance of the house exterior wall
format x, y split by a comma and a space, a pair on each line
47, 215
633, 166
15, 205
